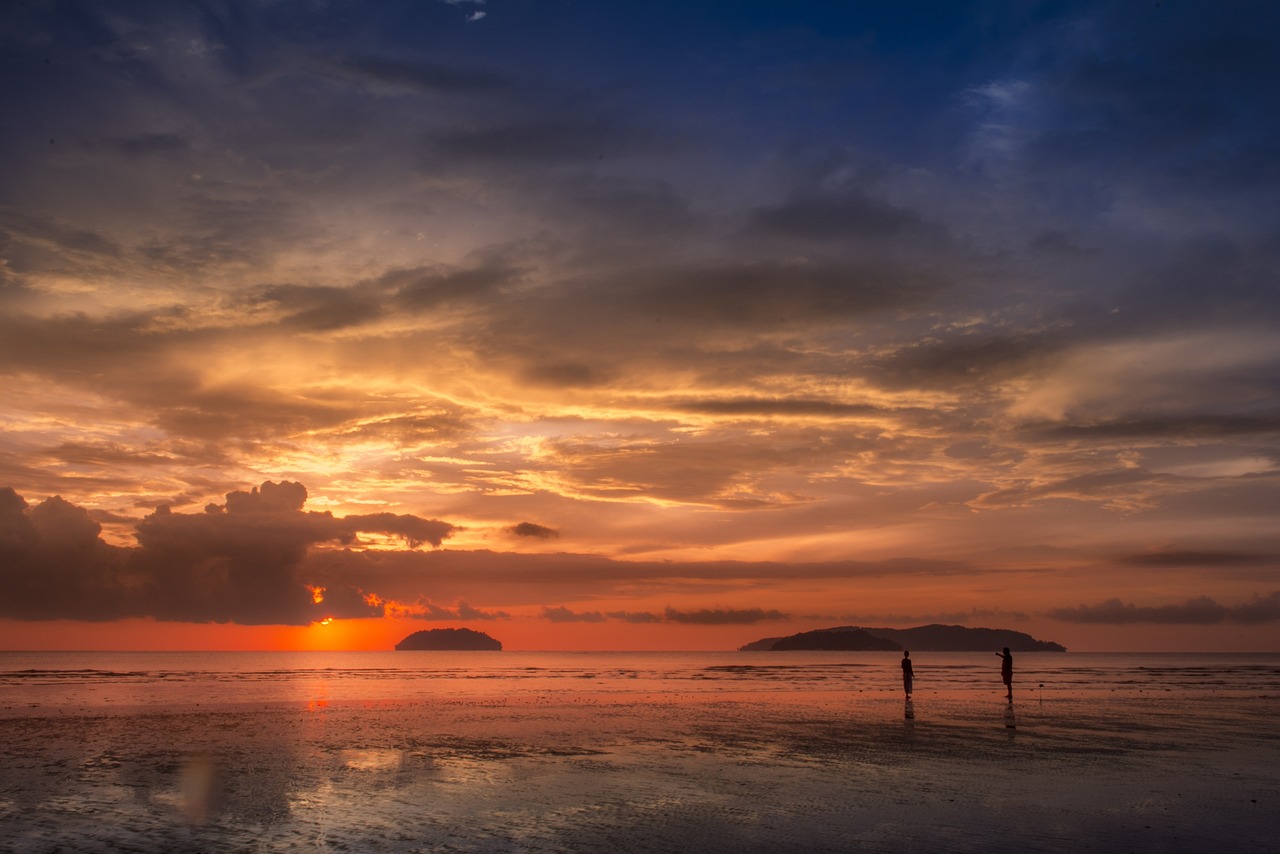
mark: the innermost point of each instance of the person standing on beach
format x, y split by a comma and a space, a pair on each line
1006, 671
907, 673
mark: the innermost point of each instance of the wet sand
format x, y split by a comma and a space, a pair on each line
710, 772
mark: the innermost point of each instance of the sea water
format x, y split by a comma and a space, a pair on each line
129, 680
627, 751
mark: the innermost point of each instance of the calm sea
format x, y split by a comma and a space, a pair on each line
561, 752
31, 681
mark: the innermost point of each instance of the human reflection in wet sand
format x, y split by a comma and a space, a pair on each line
1010, 723
909, 710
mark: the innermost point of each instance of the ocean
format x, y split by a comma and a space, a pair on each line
131, 680
625, 751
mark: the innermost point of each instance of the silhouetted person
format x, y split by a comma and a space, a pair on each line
907, 673
1006, 671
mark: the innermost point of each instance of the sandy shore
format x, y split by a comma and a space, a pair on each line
578, 772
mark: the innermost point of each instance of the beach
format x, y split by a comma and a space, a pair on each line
613, 753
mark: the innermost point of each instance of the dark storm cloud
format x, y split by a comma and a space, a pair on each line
241, 562
1199, 611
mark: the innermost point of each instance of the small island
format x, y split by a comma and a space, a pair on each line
449, 639
932, 638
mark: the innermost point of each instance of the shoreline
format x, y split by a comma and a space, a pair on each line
575, 772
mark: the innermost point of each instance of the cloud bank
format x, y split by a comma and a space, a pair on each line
1199, 611
241, 562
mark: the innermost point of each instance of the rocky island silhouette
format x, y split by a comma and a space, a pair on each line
449, 639
931, 638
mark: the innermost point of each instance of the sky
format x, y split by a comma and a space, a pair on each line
638, 325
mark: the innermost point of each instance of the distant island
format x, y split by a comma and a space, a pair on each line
449, 639
932, 638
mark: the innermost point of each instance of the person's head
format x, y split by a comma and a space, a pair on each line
1006, 650
906, 654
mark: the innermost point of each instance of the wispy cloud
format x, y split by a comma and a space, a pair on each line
1199, 611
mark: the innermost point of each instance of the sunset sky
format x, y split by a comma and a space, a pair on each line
638, 325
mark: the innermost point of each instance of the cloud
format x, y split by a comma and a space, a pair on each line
283, 497
776, 293
634, 616
1198, 611
544, 141
986, 615
318, 309
561, 614
779, 407
1194, 558
426, 289
723, 617
241, 562
259, 557
977, 359
1129, 488
704, 617
423, 76
397, 253
425, 609
1259, 609
538, 578
840, 217
531, 529
1174, 426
